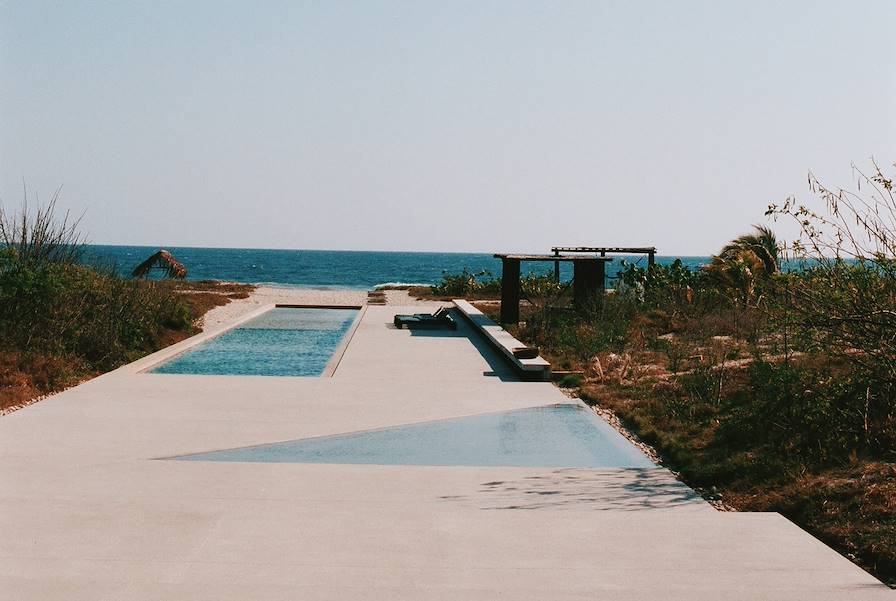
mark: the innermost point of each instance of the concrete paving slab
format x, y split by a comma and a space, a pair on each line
440, 487
87, 512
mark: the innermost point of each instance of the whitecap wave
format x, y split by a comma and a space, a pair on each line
387, 284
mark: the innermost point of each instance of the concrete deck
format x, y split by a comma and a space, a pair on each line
537, 368
87, 511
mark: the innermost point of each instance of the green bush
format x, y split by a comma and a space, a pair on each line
535, 287
570, 381
51, 305
811, 414
661, 284
467, 284
64, 309
540, 288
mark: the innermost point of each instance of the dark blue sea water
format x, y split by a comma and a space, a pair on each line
329, 268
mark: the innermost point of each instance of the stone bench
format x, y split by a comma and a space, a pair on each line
529, 369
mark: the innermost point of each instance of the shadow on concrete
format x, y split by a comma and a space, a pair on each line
481, 320
501, 368
629, 489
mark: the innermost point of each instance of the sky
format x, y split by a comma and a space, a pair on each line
446, 126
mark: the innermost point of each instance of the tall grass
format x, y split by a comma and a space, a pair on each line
55, 311
41, 238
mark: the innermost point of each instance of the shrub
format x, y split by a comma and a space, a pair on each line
52, 306
467, 284
570, 381
541, 289
811, 414
843, 300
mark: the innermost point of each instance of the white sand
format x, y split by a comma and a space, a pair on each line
265, 295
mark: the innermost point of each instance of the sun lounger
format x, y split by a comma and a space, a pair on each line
441, 319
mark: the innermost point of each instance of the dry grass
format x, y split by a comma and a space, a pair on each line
688, 386
203, 296
427, 293
849, 502
232, 289
850, 508
26, 376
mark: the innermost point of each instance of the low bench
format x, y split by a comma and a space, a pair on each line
537, 368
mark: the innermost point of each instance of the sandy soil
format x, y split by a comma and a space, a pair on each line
265, 295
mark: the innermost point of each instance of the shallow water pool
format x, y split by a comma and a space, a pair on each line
567, 435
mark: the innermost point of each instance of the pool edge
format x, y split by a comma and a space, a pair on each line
339, 352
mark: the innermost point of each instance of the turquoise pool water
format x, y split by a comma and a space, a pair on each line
568, 435
283, 342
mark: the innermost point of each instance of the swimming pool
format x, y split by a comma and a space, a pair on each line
285, 341
565, 435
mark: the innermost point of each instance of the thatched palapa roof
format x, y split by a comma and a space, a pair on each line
163, 260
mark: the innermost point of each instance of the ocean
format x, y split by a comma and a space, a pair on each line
331, 268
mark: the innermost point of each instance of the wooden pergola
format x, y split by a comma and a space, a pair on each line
603, 251
588, 280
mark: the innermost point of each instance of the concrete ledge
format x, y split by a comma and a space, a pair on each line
317, 306
530, 369
336, 358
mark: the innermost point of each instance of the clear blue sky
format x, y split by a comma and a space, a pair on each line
438, 125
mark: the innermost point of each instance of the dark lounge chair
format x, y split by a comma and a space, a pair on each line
441, 319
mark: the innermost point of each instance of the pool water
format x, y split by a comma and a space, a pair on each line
567, 435
285, 341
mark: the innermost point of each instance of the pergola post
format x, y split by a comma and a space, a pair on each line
651, 258
510, 290
557, 267
588, 281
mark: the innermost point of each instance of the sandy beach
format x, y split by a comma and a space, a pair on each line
266, 295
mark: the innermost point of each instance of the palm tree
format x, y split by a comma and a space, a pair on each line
762, 243
745, 260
